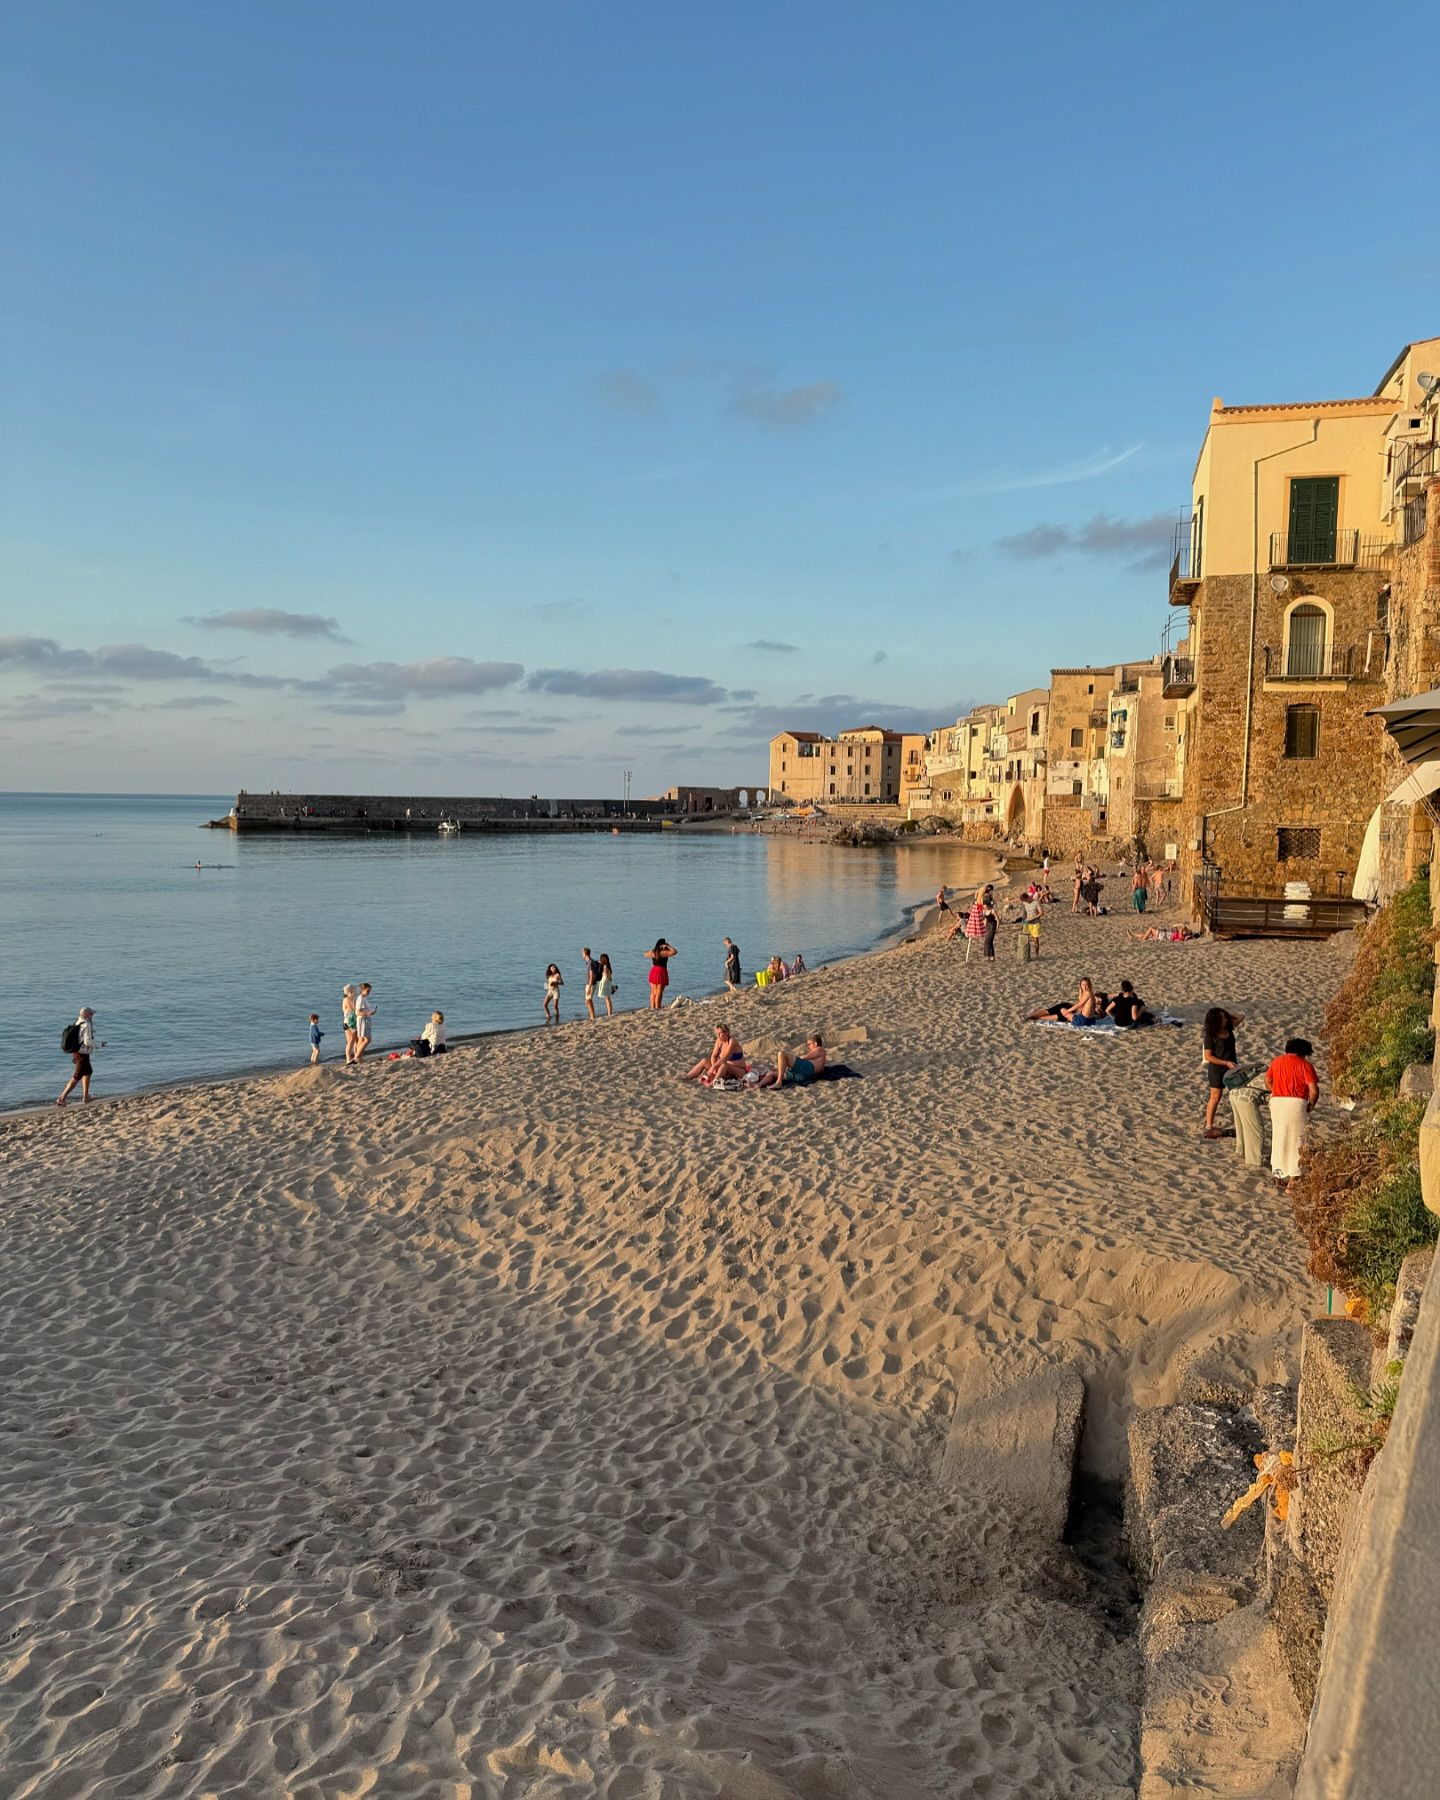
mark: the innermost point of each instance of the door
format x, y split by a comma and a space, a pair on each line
1314, 516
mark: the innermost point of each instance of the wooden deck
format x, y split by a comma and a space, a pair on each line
1238, 915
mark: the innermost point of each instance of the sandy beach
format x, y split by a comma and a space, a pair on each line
529, 1423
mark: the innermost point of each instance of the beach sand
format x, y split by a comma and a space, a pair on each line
529, 1423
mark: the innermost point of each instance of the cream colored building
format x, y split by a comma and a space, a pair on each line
955, 767
1284, 572
860, 766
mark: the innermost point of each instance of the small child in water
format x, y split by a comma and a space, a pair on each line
554, 981
315, 1036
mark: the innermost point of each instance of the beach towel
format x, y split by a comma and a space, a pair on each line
1105, 1028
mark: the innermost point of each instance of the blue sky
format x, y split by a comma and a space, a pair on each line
491, 398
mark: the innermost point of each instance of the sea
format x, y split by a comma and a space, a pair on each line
213, 970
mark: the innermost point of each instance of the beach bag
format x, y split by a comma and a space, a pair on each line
70, 1039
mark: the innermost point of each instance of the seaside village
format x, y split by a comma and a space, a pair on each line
1244, 747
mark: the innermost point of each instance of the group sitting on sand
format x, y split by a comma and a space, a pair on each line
725, 1062
1090, 1006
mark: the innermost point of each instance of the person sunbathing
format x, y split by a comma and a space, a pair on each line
725, 1062
1086, 1008
793, 1070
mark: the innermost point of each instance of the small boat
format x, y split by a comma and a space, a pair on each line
449, 828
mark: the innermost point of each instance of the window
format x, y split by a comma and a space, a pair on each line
1091, 688
1077, 738
1077, 787
1169, 721
1299, 843
867, 787
1302, 731
1305, 644
1314, 514
1034, 724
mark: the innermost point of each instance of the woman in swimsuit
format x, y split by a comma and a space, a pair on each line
1087, 1005
347, 1015
605, 986
554, 981
659, 972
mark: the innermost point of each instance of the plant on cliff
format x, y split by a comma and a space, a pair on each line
1358, 1199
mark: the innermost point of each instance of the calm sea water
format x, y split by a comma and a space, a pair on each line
213, 971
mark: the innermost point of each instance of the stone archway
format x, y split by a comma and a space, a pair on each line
1015, 814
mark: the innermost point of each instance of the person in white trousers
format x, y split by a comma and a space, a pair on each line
1294, 1089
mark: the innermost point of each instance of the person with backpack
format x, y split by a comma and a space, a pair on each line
78, 1043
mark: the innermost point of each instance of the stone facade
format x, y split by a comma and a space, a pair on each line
1318, 775
859, 766
1413, 668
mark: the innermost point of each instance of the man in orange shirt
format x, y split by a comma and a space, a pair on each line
1294, 1088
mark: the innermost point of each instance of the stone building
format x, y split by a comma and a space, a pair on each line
860, 766
1284, 570
1095, 718
955, 765
1016, 766
1413, 611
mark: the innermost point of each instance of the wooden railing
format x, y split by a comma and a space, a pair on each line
1272, 915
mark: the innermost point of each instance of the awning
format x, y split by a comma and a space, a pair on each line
1414, 724
1418, 785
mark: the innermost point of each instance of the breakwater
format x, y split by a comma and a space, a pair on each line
325, 813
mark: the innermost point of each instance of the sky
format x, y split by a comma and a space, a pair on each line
494, 398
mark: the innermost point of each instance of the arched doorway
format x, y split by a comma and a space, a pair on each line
1015, 814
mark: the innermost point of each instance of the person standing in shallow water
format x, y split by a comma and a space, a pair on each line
364, 1013
732, 966
659, 971
347, 1014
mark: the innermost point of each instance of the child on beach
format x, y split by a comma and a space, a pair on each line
315, 1036
554, 981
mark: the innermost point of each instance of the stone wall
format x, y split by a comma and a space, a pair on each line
1413, 667
1335, 791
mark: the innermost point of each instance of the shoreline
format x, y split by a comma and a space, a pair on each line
914, 920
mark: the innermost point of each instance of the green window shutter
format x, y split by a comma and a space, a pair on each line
1314, 516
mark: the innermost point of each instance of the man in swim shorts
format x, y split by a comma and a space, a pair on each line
798, 1071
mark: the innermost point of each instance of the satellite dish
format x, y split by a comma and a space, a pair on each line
1427, 381
1280, 583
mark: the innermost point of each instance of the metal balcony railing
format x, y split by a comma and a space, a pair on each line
1179, 677
1415, 461
1185, 559
1413, 521
1328, 550
1304, 662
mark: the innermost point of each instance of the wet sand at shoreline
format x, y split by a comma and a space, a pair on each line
528, 1423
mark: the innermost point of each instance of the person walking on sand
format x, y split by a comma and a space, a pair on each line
315, 1036
605, 986
592, 977
1139, 887
659, 971
942, 899
1219, 1057
1294, 1089
1030, 921
732, 966
347, 1013
554, 981
78, 1041
364, 1013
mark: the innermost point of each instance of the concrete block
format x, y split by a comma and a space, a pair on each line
1016, 1431
1334, 1363
1187, 1465
1418, 1082
1405, 1313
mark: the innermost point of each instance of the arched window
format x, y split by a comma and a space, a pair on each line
1306, 650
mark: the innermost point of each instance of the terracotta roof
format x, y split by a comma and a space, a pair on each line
1370, 402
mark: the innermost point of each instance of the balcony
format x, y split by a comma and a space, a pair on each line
1305, 663
1185, 564
1412, 520
1179, 677
1412, 465
1328, 550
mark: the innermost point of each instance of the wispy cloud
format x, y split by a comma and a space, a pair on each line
628, 684
1148, 539
431, 676
829, 713
787, 407
878, 657
271, 621
625, 391
1008, 480
772, 645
